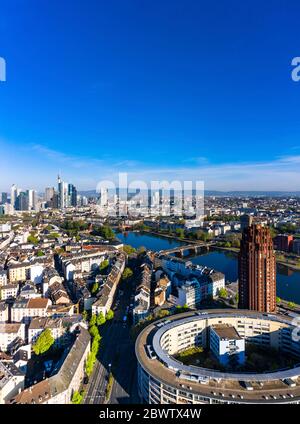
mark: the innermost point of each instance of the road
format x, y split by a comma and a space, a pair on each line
118, 350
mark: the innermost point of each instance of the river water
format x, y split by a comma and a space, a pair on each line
288, 281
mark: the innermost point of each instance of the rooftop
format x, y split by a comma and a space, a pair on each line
226, 331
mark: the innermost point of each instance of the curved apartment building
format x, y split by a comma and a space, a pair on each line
164, 380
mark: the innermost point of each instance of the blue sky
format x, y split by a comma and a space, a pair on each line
160, 89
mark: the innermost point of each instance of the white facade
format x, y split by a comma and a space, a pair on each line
12, 381
38, 325
36, 273
3, 278
9, 291
3, 312
189, 294
227, 347
8, 333
23, 312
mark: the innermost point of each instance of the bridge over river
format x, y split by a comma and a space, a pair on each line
189, 249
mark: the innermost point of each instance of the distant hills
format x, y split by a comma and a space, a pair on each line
93, 193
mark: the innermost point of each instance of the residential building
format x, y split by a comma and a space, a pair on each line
107, 292
296, 246
59, 388
58, 294
28, 291
9, 291
3, 311
24, 310
38, 325
11, 381
284, 242
3, 278
9, 332
227, 345
142, 299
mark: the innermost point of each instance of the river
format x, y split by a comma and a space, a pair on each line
288, 281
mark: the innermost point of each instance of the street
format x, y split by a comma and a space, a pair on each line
117, 353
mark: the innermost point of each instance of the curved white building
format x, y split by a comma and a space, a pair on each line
164, 380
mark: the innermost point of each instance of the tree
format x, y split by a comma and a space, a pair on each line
90, 362
291, 305
94, 332
104, 231
223, 292
180, 232
236, 243
127, 273
32, 239
95, 345
53, 236
162, 313
180, 309
109, 386
85, 315
76, 398
95, 288
278, 299
128, 249
141, 250
43, 343
101, 319
201, 235
40, 253
110, 314
93, 320
103, 266
273, 231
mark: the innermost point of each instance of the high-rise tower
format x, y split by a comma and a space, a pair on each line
257, 270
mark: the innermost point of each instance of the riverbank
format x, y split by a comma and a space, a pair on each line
169, 236
278, 261
234, 250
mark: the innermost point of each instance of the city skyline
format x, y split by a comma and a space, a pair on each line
158, 91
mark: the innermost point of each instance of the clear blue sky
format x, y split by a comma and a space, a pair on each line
157, 88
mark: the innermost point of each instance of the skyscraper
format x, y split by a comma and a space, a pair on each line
4, 198
72, 195
22, 201
103, 199
62, 193
32, 199
67, 194
13, 195
246, 221
49, 193
257, 270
